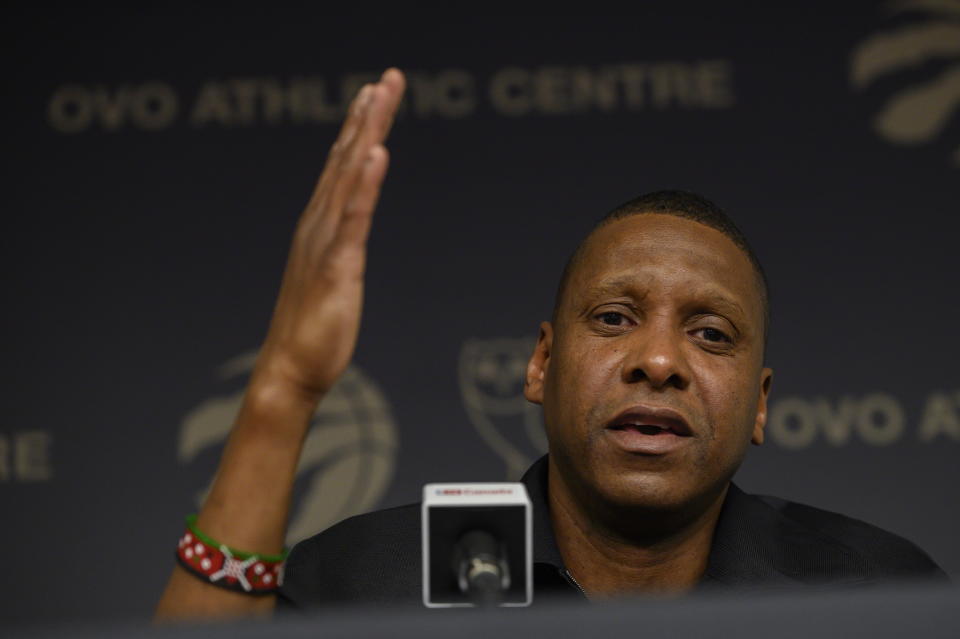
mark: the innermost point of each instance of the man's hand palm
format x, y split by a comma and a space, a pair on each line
317, 317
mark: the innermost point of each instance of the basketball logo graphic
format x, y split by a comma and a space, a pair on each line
348, 456
923, 51
491, 375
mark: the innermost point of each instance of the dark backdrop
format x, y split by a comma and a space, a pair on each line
156, 163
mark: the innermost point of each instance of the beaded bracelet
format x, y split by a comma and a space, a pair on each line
220, 565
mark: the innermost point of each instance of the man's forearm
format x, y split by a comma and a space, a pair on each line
249, 502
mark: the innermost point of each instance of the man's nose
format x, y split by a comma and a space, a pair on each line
655, 355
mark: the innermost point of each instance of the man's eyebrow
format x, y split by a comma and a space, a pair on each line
616, 286
722, 302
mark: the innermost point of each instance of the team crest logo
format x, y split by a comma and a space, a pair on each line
348, 457
921, 55
491, 383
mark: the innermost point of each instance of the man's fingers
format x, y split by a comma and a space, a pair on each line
396, 83
364, 115
358, 211
340, 149
378, 112
370, 118
372, 131
354, 116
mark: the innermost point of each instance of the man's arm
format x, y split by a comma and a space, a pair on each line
311, 339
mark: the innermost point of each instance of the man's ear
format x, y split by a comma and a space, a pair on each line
538, 365
766, 379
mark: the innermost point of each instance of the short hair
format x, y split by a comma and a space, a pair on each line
683, 204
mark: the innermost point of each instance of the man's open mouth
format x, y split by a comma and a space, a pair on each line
646, 429
651, 420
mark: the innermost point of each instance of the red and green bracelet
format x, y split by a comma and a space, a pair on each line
236, 570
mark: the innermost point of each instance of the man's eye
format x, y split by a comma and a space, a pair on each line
611, 318
714, 335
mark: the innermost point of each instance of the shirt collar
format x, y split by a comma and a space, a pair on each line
545, 549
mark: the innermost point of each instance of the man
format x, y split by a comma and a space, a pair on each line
652, 380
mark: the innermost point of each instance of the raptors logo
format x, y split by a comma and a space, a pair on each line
348, 457
921, 55
491, 383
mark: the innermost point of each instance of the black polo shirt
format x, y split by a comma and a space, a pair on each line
760, 543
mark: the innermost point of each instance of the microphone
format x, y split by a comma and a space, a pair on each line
483, 573
477, 545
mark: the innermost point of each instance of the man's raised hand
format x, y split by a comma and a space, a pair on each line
316, 320
310, 342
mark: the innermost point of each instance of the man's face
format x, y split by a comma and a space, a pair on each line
651, 377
